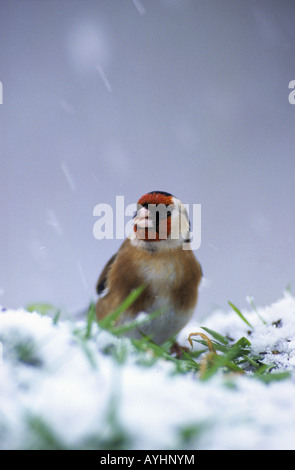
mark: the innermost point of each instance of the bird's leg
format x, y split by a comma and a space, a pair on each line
177, 349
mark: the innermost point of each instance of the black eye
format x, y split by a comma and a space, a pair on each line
140, 206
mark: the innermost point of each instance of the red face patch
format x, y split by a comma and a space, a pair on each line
161, 227
156, 198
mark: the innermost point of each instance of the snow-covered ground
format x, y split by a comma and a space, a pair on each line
58, 390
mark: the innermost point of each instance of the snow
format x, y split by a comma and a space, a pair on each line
273, 330
50, 374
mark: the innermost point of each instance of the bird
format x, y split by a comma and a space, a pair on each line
155, 255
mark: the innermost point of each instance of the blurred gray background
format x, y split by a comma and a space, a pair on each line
121, 97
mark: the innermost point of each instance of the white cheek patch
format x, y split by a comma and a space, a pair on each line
179, 223
143, 222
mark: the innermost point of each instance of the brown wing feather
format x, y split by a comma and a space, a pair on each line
102, 280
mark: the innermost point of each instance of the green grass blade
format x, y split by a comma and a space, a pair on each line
217, 346
91, 317
274, 377
223, 361
217, 336
251, 302
121, 329
56, 317
240, 348
251, 361
109, 320
239, 313
145, 344
42, 308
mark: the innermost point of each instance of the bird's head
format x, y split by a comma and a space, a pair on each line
161, 221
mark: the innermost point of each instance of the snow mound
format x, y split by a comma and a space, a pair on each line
61, 390
273, 332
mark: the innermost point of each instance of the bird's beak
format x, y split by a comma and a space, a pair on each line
142, 219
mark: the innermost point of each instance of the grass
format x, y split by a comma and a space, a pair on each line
211, 353
219, 354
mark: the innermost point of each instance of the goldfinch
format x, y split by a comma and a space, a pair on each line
156, 255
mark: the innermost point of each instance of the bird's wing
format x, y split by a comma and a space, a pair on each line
102, 280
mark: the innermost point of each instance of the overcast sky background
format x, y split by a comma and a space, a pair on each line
120, 97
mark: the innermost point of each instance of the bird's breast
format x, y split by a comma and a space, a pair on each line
159, 271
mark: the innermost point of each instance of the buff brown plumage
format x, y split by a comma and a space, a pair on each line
156, 255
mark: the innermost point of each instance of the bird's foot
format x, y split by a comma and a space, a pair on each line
177, 350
